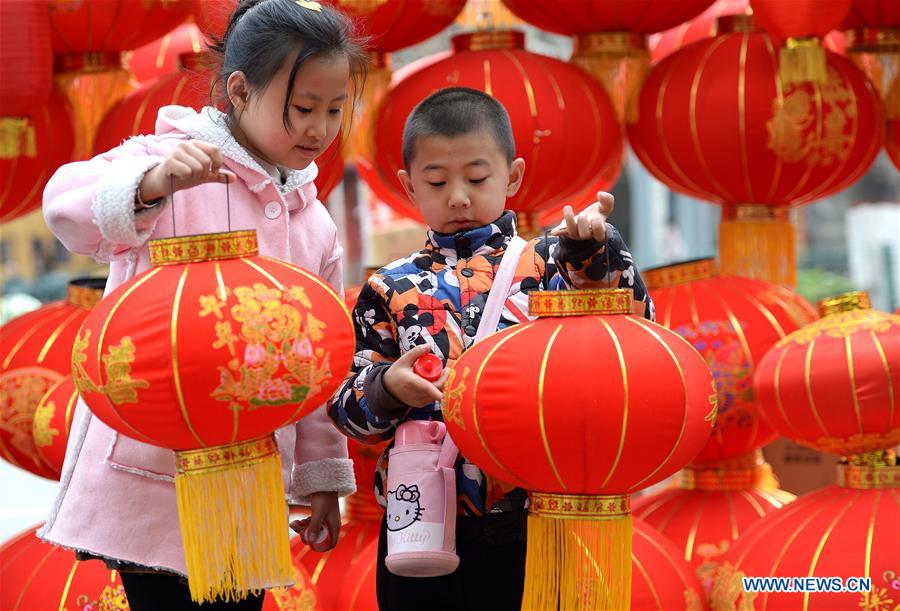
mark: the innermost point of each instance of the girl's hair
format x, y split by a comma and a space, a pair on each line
263, 34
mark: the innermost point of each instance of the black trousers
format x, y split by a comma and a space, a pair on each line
490, 576
165, 592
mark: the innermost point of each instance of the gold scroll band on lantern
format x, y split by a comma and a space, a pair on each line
218, 458
204, 247
680, 273
487, 41
845, 302
740, 473
870, 471
586, 302
579, 507
85, 297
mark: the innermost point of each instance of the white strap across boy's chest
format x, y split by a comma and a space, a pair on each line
499, 290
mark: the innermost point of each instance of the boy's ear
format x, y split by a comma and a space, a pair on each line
405, 180
516, 174
238, 90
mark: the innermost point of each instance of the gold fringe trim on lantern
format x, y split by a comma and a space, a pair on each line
876, 51
758, 242
620, 61
233, 516
845, 302
203, 247
802, 60
17, 138
578, 553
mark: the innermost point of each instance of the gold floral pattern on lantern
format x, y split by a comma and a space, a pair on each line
280, 364
21, 390
120, 387
856, 444
42, 431
841, 325
453, 399
728, 590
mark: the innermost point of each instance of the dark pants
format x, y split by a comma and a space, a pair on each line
161, 591
490, 576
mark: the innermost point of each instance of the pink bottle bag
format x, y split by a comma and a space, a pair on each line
421, 490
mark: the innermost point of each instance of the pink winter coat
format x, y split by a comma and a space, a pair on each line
117, 496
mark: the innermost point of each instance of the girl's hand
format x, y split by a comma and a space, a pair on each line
326, 513
405, 385
192, 163
589, 223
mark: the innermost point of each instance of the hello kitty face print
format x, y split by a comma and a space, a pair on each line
403, 508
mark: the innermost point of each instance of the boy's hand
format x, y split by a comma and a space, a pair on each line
407, 386
589, 223
326, 513
192, 163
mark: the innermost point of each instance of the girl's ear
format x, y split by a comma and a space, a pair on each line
405, 180
516, 174
238, 90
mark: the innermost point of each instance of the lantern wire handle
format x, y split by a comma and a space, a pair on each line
546, 263
172, 204
228, 202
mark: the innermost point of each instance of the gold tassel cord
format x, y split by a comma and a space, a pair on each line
758, 242
578, 554
620, 61
802, 60
17, 138
233, 516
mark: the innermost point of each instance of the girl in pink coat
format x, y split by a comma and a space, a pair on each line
287, 67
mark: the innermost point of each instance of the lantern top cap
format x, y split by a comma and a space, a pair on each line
489, 41
586, 302
845, 302
680, 273
735, 24
85, 292
203, 247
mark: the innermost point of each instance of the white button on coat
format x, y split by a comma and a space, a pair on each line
273, 210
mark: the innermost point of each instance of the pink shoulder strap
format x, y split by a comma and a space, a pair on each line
490, 317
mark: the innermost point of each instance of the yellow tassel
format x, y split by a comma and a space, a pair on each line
802, 60
578, 559
758, 242
233, 519
620, 61
17, 138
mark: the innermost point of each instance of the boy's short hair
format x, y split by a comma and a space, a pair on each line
457, 111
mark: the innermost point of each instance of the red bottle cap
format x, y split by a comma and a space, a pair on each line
429, 367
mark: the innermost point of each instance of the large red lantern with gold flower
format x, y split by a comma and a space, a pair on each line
22, 178
732, 322
564, 158
523, 406
717, 123
36, 575
833, 384
52, 423
35, 354
207, 353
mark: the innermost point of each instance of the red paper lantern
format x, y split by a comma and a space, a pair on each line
833, 384
36, 575
873, 43
892, 137
160, 57
834, 532
212, 15
662, 580
52, 423
208, 353
396, 25
711, 508
26, 74
563, 158
732, 322
35, 354
706, 132
522, 406
22, 178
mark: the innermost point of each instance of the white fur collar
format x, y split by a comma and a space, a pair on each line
210, 126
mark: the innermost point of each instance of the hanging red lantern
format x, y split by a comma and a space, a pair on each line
802, 23
839, 531
732, 322
704, 131
563, 158
662, 580
832, 385
207, 353
212, 15
530, 427
26, 74
892, 137
160, 57
611, 37
711, 508
873, 43
22, 178
36, 575
35, 354
52, 423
